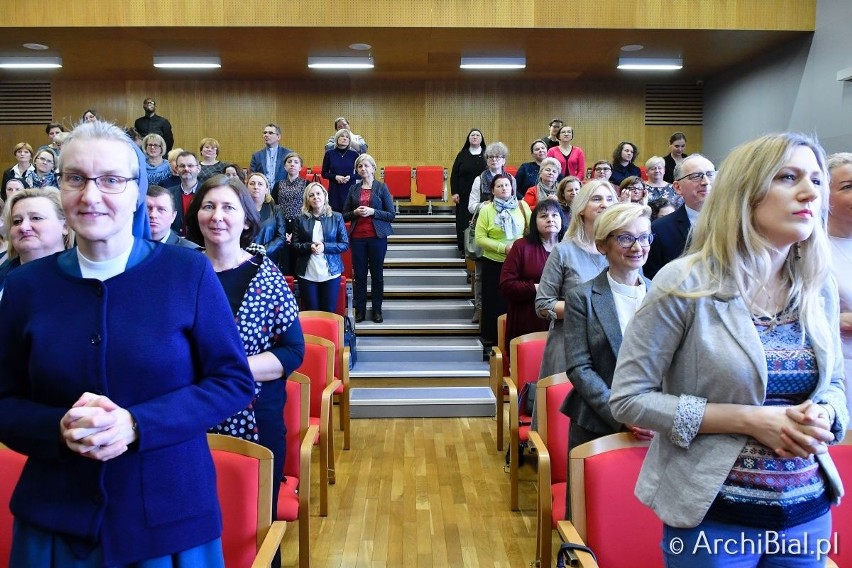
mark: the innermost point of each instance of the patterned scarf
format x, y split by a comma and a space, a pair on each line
504, 218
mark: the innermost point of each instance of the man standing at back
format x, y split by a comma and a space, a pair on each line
693, 180
270, 159
356, 141
153, 123
188, 170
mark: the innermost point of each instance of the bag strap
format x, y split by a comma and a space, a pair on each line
566, 557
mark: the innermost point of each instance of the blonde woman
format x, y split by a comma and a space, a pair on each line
156, 165
209, 149
734, 360
272, 233
574, 260
319, 238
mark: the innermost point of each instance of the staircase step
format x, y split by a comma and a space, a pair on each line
400, 351
396, 251
425, 282
419, 402
395, 310
421, 370
408, 228
437, 217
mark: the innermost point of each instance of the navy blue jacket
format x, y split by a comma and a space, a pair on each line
670, 236
380, 200
161, 342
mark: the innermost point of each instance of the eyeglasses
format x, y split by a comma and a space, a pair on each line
636, 188
495, 157
106, 184
603, 169
626, 241
44, 160
153, 145
698, 175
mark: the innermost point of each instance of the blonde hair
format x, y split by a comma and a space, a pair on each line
576, 228
49, 193
212, 142
618, 216
268, 197
306, 207
736, 255
365, 158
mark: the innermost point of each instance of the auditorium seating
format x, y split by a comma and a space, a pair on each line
551, 444
524, 364
398, 180
244, 486
605, 514
431, 181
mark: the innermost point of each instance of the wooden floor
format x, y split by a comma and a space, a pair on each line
420, 492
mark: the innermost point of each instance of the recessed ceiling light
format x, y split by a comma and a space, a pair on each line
29, 62
632, 47
338, 62
493, 63
360, 46
35, 46
188, 62
650, 63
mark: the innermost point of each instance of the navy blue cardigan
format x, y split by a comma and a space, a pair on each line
160, 341
380, 200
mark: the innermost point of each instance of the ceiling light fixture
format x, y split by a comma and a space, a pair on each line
189, 62
35, 46
30, 62
341, 62
650, 63
493, 63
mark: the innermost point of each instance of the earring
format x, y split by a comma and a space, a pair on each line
796, 250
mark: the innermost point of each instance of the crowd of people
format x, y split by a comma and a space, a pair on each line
692, 309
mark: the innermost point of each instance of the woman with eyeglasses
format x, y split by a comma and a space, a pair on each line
632, 190
574, 260
622, 163
602, 170
657, 187
156, 166
110, 377
496, 154
571, 158
43, 173
596, 314
734, 359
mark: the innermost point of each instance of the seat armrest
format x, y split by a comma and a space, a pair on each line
270, 545
569, 534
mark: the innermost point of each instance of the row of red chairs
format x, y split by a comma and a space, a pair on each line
605, 514
429, 181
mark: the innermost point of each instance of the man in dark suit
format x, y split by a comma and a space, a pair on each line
162, 211
270, 159
693, 181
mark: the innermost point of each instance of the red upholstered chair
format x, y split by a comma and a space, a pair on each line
317, 171
11, 465
244, 483
511, 170
330, 326
498, 363
841, 515
318, 366
305, 173
605, 514
295, 496
524, 363
431, 181
643, 173
551, 444
398, 180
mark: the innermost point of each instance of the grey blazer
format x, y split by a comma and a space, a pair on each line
679, 353
592, 340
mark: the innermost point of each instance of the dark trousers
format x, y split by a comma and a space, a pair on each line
320, 295
463, 217
269, 413
369, 253
493, 302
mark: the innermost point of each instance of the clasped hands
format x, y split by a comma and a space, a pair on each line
796, 431
97, 428
317, 248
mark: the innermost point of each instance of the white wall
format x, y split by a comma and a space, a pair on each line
793, 88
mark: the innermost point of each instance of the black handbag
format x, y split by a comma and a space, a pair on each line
565, 555
350, 340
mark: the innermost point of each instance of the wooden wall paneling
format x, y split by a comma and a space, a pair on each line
657, 141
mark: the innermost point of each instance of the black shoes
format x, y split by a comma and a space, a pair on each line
377, 317
359, 316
